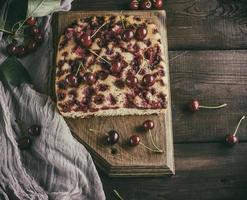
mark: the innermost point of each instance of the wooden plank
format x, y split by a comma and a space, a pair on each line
203, 171
128, 161
193, 24
214, 77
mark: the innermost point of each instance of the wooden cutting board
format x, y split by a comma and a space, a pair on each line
121, 159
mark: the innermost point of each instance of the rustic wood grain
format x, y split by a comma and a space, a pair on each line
214, 77
203, 172
128, 161
193, 24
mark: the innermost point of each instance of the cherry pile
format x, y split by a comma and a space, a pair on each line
33, 39
25, 141
146, 4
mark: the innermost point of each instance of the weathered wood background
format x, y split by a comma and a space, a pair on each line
207, 42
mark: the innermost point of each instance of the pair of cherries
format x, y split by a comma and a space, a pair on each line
230, 139
146, 4
113, 137
25, 142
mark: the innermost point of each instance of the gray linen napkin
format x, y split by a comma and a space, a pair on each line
56, 166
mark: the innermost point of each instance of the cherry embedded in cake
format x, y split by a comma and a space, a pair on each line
115, 65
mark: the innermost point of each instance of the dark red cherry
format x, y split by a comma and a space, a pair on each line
141, 33
11, 49
148, 80
72, 80
194, 105
31, 21
34, 130
131, 81
39, 37
127, 35
34, 30
21, 51
112, 137
86, 40
31, 45
134, 140
231, 139
148, 124
158, 4
134, 5
116, 67
24, 143
89, 78
146, 4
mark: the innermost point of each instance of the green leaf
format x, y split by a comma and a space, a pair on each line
40, 8
13, 73
2, 23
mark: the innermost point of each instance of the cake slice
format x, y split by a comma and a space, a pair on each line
111, 65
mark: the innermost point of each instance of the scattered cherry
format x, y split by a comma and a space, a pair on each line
31, 45
39, 37
134, 140
141, 33
146, 4
34, 30
127, 35
148, 125
24, 143
134, 5
131, 80
116, 67
21, 51
194, 105
112, 137
34, 130
86, 40
148, 80
232, 139
11, 49
158, 4
89, 78
31, 21
72, 80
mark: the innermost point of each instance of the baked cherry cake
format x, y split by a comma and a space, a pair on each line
111, 65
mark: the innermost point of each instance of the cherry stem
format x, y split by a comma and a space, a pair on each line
5, 31
118, 195
122, 22
235, 132
99, 56
153, 143
153, 150
98, 30
214, 107
93, 130
80, 65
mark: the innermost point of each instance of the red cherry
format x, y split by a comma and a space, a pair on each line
86, 40
89, 78
231, 140
146, 4
24, 143
194, 105
134, 5
131, 81
72, 80
158, 4
141, 33
34, 30
112, 137
39, 37
148, 80
116, 67
31, 21
31, 45
134, 140
127, 35
11, 49
148, 125
34, 130
21, 51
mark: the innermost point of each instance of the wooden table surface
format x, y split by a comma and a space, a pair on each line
208, 60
